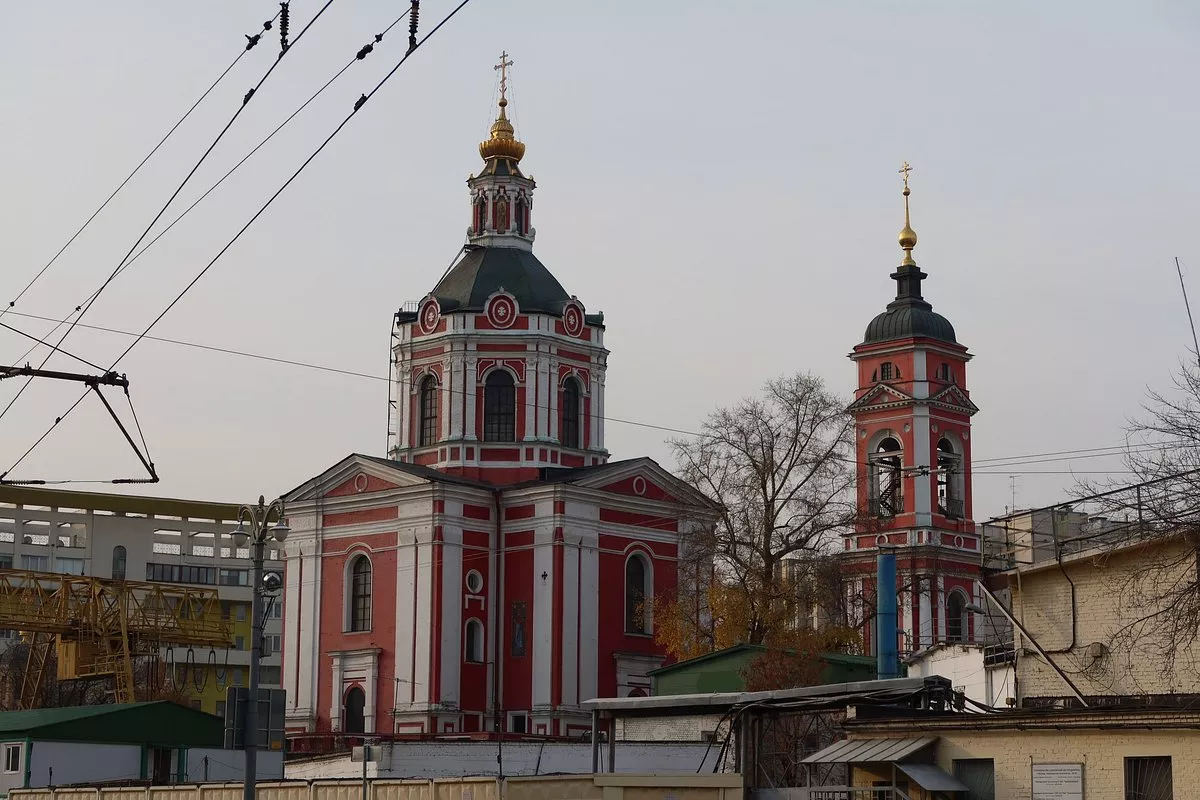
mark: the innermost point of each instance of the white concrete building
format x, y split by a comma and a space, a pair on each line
982, 673
178, 542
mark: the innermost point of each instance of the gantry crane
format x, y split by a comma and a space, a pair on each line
99, 626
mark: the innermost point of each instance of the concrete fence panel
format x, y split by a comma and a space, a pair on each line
122, 794
403, 790
559, 787
466, 789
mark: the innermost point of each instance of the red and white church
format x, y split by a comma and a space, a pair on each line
496, 569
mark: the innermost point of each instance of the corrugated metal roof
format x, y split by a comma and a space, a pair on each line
869, 750
22, 721
933, 778
685, 703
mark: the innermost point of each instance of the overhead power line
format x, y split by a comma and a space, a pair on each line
360, 55
241, 53
358, 105
171, 199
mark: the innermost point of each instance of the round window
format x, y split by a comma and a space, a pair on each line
474, 582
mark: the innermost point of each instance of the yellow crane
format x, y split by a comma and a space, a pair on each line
99, 626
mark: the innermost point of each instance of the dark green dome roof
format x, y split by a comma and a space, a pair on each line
909, 322
483, 271
909, 315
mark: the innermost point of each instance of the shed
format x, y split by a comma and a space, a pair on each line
103, 743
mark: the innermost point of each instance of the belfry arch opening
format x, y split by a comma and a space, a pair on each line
886, 467
949, 491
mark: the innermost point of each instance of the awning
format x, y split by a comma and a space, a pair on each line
869, 750
933, 778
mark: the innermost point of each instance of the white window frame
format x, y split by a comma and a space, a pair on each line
11, 749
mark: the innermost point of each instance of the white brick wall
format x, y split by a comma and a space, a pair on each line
1109, 596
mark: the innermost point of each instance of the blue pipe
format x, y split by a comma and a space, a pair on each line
887, 655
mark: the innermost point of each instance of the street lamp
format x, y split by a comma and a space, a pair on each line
252, 529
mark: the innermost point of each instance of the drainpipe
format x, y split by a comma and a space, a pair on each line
887, 658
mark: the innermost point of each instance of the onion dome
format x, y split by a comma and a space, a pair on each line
502, 143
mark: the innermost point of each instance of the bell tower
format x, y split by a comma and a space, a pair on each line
498, 373
912, 415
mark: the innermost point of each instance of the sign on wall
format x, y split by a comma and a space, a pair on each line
1057, 782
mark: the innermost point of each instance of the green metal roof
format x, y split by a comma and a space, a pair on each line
713, 656
160, 723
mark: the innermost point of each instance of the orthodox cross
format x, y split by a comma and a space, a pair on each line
503, 66
904, 170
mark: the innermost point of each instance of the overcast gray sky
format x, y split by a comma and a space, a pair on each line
719, 179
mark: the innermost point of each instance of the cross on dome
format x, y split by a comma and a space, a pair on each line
505, 63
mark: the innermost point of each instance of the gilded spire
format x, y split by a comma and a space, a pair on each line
908, 237
502, 143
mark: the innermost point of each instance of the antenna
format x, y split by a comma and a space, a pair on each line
1012, 484
1187, 305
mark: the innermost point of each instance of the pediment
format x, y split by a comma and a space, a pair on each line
880, 395
955, 398
645, 478
354, 475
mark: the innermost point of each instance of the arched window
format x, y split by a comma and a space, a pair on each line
354, 720
638, 594
956, 617
499, 407
118, 563
572, 402
473, 644
949, 501
522, 213
945, 374
480, 220
360, 594
429, 411
889, 371
886, 485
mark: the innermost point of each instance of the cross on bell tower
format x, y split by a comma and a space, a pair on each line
912, 417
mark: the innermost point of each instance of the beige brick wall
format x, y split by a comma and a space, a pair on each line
1102, 753
1109, 596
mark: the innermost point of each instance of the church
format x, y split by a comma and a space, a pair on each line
496, 569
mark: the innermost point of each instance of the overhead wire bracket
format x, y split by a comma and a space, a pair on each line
93, 382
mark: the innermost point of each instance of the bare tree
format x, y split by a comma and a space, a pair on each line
1161, 599
781, 467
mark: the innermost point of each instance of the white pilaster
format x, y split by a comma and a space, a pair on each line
923, 482
531, 398
470, 384
941, 607
926, 614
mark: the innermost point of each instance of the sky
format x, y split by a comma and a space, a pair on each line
720, 180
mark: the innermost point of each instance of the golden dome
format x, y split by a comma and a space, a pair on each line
503, 142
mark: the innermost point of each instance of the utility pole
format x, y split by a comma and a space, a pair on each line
256, 536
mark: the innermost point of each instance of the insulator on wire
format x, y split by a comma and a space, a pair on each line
283, 27
360, 102
366, 51
249, 94
252, 40
413, 16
